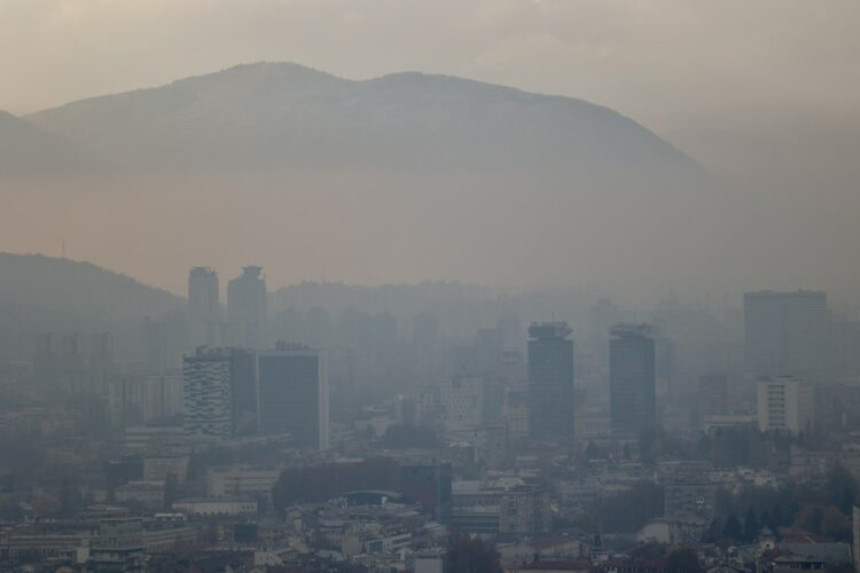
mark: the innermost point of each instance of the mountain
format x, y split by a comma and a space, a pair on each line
285, 116
404, 178
26, 149
45, 294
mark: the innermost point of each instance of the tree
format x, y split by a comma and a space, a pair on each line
683, 560
171, 490
628, 511
811, 518
751, 526
468, 555
713, 533
732, 529
842, 488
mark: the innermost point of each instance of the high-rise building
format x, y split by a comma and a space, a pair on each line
786, 333
207, 394
293, 394
246, 308
550, 372
785, 404
204, 307
632, 379
243, 385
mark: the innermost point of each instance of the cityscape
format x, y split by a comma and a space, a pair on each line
257, 437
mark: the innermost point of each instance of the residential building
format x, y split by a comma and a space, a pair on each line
785, 404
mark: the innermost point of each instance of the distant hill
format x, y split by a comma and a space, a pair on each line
26, 149
404, 178
46, 294
285, 116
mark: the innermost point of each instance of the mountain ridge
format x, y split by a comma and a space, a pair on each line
272, 115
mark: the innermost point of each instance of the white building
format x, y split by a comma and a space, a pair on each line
212, 507
207, 394
241, 481
785, 404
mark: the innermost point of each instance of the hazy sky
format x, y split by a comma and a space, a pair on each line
663, 62
764, 92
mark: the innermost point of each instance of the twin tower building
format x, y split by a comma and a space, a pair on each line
232, 387
632, 381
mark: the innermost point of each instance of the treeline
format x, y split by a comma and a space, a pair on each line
319, 483
629, 511
469, 554
823, 508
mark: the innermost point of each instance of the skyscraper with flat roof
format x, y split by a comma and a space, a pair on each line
785, 333
293, 394
220, 392
550, 368
246, 308
632, 379
204, 307
207, 394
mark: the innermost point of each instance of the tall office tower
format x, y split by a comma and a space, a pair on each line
243, 384
550, 368
632, 379
246, 308
204, 308
207, 394
786, 333
785, 404
293, 394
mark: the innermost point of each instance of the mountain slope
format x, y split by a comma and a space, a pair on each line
287, 116
26, 149
45, 294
